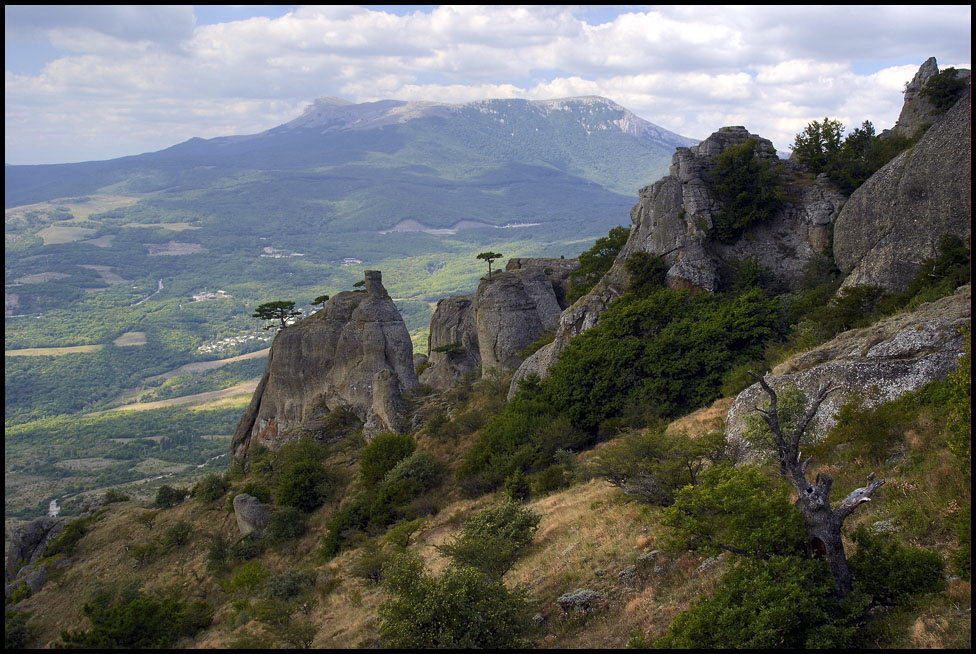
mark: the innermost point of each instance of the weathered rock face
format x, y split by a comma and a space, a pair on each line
252, 514
488, 328
883, 361
673, 218
918, 112
896, 218
355, 352
27, 542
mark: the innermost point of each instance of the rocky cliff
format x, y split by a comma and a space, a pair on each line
354, 354
673, 219
896, 218
490, 327
883, 361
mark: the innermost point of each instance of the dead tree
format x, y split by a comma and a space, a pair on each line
823, 523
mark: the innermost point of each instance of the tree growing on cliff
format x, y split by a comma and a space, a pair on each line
322, 299
489, 257
279, 310
818, 144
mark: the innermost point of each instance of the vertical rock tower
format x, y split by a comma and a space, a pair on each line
354, 354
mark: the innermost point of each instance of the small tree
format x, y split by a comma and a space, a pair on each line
823, 523
322, 299
280, 310
818, 144
489, 257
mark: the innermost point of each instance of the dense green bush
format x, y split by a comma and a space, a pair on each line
944, 88
132, 619
548, 480
306, 485
461, 609
381, 454
249, 577
16, 630
286, 523
246, 548
257, 490
493, 539
653, 465
289, 584
414, 475
168, 497
517, 487
782, 603
891, 572
211, 488
736, 509
595, 262
177, 535
645, 272
747, 187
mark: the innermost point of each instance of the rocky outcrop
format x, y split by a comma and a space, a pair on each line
354, 354
252, 514
489, 328
883, 361
27, 542
918, 113
896, 218
673, 219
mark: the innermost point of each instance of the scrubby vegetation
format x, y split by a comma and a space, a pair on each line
747, 188
595, 262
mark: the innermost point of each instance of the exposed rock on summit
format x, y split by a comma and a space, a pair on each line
884, 361
673, 219
895, 219
489, 328
354, 353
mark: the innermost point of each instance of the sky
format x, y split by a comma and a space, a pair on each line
97, 82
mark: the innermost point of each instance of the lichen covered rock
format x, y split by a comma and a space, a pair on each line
884, 361
252, 514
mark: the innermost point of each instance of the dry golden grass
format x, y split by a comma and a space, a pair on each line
703, 421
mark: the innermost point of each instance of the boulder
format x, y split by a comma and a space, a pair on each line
252, 514
333, 360
895, 220
884, 361
580, 600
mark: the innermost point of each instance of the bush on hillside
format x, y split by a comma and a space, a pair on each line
785, 602
461, 609
382, 454
286, 523
944, 88
891, 572
411, 477
305, 485
167, 497
493, 539
211, 488
595, 262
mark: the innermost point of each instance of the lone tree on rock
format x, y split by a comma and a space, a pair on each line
280, 310
322, 299
823, 523
489, 257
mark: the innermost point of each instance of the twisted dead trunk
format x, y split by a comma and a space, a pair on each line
824, 524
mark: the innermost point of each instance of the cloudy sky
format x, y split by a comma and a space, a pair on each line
96, 82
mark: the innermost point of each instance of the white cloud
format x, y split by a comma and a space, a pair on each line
142, 78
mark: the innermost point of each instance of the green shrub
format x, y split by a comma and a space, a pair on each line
462, 609
400, 534
891, 572
381, 454
286, 523
306, 485
246, 548
651, 466
257, 490
517, 487
145, 553
371, 562
944, 88
747, 188
350, 518
595, 262
67, 540
211, 488
785, 602
738, 509
493, 539
16, 630
549, 480
645, 272
218, 553
112, 496
168, 497
289, 584
177, 535
131, 619
414, 475
249, 577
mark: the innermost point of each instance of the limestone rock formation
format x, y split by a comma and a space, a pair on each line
252, 514
896, 218
354, 354
918, 112
489, 328
27, 541
673, 218
884, 361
